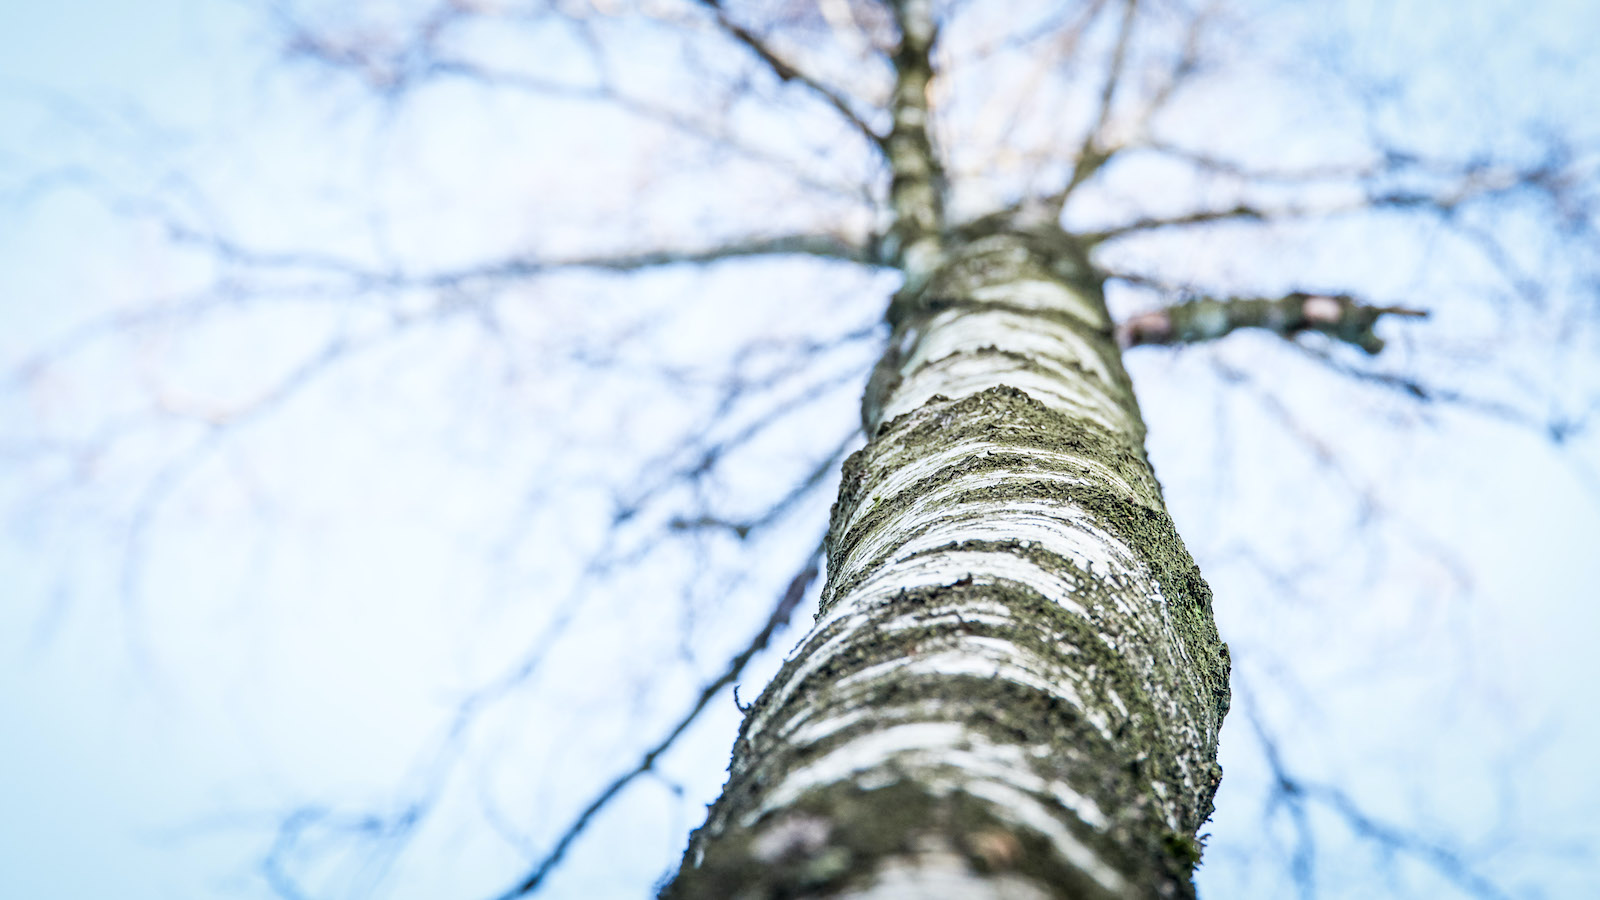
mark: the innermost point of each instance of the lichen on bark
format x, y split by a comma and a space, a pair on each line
1015, 683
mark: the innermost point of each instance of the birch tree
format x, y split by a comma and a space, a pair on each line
979, 711
1014, 684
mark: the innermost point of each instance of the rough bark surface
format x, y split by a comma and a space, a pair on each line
1014, 685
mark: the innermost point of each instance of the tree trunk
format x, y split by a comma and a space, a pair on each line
1014, 685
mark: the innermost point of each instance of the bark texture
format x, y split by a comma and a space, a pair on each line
1014, 686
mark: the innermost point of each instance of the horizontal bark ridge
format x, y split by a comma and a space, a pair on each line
1014, 683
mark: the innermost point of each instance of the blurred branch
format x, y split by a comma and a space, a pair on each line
381, 834
1240, 212
696, 457
777, 620
1297, 795
1341, 317
1396, 181
825, 246
350, 277
1206, 318
1557, 429
1096, 149
393, 68
788, 72
684, 123
742, 529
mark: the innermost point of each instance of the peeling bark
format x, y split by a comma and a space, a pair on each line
1014, 686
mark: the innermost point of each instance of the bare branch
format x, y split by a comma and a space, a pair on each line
393, 72
1003, 119
1217, 165
1245, 212
1238, 213
1187, 62
1097, 149
383, 831
1417, 390
743, 529
1206, 318
346, 277
782, 611
1396, 182
787, 72
825, 246
1297, 795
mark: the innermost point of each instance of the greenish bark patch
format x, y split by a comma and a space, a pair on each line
1007, 416
1116, 774
1119, 722
837, 837
1000, 415
1183, 849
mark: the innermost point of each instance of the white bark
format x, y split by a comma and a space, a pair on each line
1014, 686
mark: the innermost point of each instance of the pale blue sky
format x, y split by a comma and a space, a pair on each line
313, 597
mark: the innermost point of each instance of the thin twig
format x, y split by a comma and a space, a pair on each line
779, 618
787, 72
1096, 150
